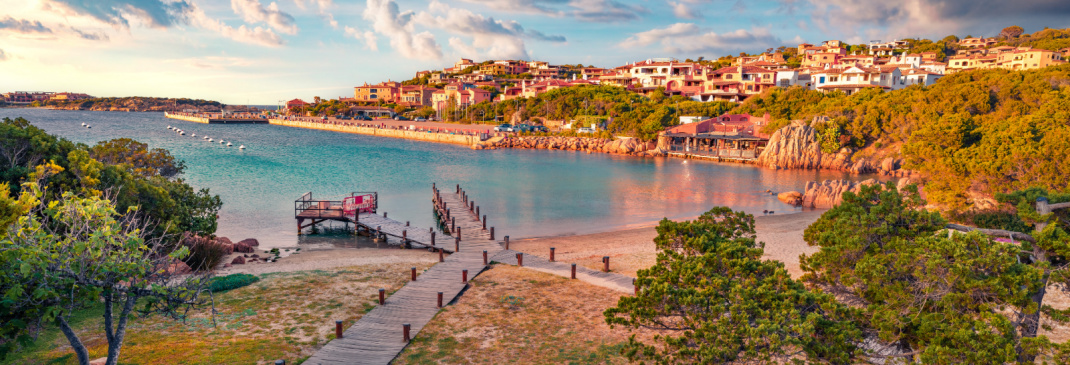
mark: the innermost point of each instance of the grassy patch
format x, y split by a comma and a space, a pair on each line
515, 315
282, 316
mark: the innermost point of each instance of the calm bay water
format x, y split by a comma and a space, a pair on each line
526, 193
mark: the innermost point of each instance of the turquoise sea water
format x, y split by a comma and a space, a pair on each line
526, 193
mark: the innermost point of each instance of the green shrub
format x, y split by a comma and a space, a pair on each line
232, 281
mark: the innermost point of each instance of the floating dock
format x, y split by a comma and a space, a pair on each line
217, 118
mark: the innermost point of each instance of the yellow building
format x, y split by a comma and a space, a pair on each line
384, 91
1028, 59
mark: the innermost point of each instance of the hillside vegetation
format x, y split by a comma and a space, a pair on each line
973, 133
139, 104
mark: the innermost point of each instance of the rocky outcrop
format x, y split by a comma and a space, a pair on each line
251, 242
622, 146
238, 261
798, 146
829, 193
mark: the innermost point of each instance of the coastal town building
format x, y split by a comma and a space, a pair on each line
295, 103
1028, 59
416, 96
977, 42
385, 91
458, 94
69, 96
26, 97
729, 136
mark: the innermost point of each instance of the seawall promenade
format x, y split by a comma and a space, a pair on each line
217, 118
429, 135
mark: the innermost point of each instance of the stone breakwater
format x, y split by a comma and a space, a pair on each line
622, 146
426, 136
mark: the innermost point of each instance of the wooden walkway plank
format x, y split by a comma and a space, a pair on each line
377, 337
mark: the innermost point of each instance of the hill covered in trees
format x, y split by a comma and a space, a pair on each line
141, 104
973, 134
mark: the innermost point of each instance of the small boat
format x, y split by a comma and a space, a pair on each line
242, 147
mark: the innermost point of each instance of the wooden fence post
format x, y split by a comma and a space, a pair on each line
551, 254
457, 245
484, 221
337, 329
440, 299
464, 276
414, 274
484, 257
405, 331
441, 256
520, 259
506, 242
573, 271
382, 296
605, 262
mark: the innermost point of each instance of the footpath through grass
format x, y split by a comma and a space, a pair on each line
283, 316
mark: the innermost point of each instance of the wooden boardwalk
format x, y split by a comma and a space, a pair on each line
618, 282
377, 338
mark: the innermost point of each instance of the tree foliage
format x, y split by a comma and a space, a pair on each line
983, 131
716, 301
929, 297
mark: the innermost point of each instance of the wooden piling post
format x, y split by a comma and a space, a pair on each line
440, 299
441, 256
520, 259
464, 276
453, 224
458, 188
605, 263
484, 257
384, 214
551, 254
506, 242
337, 329
406, 223
477, 212
457, 244
491, 233
484, 221
382, 296
414, 274
432, 238
573, 271
458, 233
405, 331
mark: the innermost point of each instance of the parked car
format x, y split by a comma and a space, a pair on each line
539, 129
361, 117
419, 119
585, 130
398, 117
504, 128
522, 127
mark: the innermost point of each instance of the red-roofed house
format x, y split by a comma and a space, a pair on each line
295, 103
729, 136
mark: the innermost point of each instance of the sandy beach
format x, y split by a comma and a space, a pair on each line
629, 249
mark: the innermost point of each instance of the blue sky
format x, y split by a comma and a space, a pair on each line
260, 51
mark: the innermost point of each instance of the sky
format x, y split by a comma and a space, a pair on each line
260, 52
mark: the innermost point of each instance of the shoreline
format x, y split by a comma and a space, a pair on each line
630, 249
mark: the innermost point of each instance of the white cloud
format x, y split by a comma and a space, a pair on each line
323, 6
253, 12
398, 27
496, 38
368, 37
688, 38
155, 13
682, 10
936, 18
605, 11
23, 26
3, 56
533, 7
213, 62
258, 35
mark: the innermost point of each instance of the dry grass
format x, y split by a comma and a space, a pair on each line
284, 316
515, 315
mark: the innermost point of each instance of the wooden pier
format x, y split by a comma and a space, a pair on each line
381, 334
215, 118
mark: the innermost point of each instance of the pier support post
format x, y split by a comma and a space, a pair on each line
458, 188
453, 224
458, 233
337, 329
605, 263
506, 242
477, 212
520, 259
432, 238
299, 223
441, 256
484, 257
406, 223
464, 276
472, 207
491, 233
414, 274
405, 331
484, 221
384, 214
382, 296
440, 299
551, 254
457, 244
573, 271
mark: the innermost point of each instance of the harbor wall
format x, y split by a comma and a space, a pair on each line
186, 118
461, 139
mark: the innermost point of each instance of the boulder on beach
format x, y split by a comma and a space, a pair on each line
243, 248
252, 242
790, 197
224, 240
238, 261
